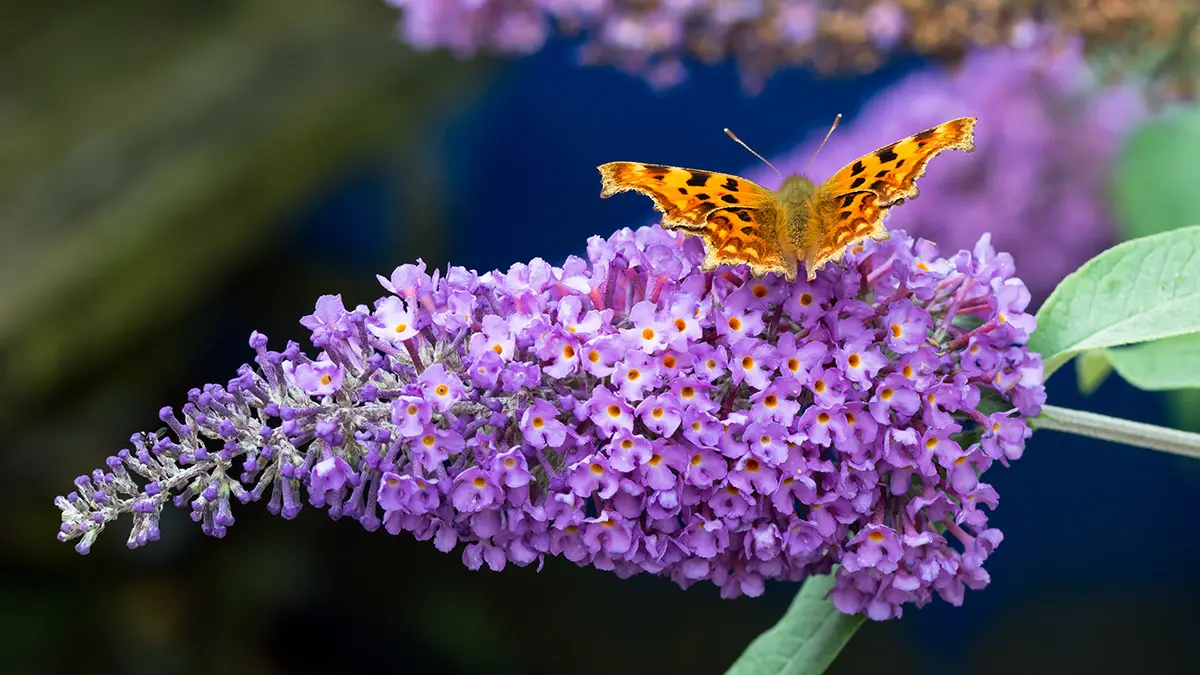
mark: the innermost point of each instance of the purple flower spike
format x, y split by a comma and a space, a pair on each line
632, 413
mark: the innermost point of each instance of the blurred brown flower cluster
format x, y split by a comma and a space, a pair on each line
1156, 38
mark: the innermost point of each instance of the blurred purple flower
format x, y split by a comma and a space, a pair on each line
653, 38
1038, 179
800, 426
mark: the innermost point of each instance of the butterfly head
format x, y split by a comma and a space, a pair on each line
796, 189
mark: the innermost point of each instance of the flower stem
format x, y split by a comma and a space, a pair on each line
1119, 430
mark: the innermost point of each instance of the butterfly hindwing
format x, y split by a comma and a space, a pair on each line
841, 222
745, 236
685, 197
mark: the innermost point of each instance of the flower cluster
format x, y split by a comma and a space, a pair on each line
652, 37
631, 412
1039, 176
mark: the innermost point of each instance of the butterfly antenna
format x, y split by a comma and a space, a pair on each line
743, 144
831, 128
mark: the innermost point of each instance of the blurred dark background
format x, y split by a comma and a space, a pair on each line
174, 175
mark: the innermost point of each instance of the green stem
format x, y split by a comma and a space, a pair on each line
1119, 430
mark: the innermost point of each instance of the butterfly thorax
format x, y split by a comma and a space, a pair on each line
796, 195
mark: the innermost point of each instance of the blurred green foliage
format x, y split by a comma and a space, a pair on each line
147, 147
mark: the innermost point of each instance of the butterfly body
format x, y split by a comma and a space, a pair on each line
742, 222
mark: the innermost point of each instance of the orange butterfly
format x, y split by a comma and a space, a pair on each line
742, 222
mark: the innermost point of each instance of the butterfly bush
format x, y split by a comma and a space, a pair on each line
1039, 175
630, 412
652, 38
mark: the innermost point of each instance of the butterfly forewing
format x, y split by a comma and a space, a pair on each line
685, 196
736, 218
851, 205
891, 172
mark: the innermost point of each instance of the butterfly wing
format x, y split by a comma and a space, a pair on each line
850, 206
736, 218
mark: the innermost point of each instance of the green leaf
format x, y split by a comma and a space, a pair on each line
806, 639
1141, 290
1091, 370
1171, 363
1154, 179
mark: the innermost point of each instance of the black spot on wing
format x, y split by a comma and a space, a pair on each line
683, 191
878, 186
703, 196
900, 163
844, 215
857, 183
857, 168
730, 184
924, 135
729, 199
698, 178
887, 155
881, 174
707, 206
847, 200
742, 214
656, 168
748, 229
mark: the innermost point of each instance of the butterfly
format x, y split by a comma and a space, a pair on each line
773, 231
